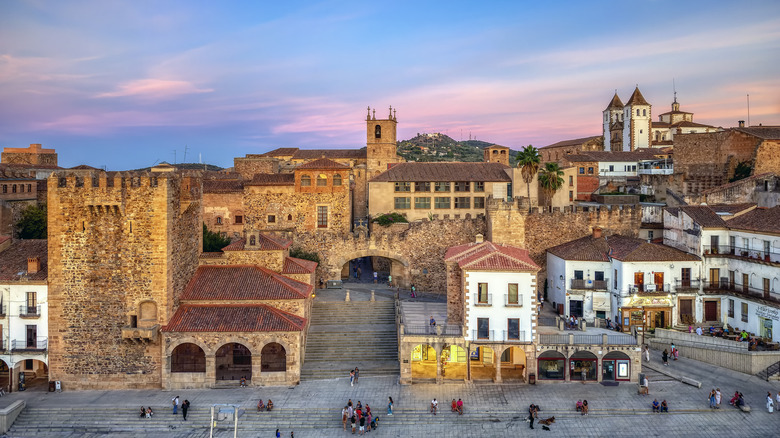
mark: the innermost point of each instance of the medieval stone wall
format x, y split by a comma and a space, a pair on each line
252, 164
302, 207
767, 157
273, 260
225, 206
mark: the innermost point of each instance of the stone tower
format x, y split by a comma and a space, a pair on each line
496, 154
380, 142
636, 122
613, 117
122, 247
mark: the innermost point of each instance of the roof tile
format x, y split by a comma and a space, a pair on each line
220, 282
445, 171
233, 318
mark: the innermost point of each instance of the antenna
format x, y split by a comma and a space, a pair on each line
674, 88
748, 102
185, 154
174, 156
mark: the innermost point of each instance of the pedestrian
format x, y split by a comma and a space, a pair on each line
778, 398
698, 331
353, 420
390, 405
673, 351
664, 407
665, 357
143, 412
645, 386
712, 400
770, 406
368, 419
434, 406
357, 376
460, 407
362, 425
292, 434
432, 324
584, 374
175, 402
531, 414
413, 291
584, 407
656, 406
390, 280
376, 276
344, 418
184, 408
647, 354
354, 271
278, 435
360, 273
718, 396
352, 377
149, 412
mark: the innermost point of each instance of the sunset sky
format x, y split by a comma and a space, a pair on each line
124, 84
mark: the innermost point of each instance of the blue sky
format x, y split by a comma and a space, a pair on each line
125, 84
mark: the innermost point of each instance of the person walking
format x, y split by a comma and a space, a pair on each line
647, 354
770, 406
718, 396
376, 276
531, 415
175, 402
778, 398
352, 377
353, 421
390, 405
712, 400
357, 374
665, 357
344, 418
184, 408
278, 434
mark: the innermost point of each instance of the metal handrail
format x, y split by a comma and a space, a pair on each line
744, 253
489, 301
491, 336
25, 310
518, 303
579, 283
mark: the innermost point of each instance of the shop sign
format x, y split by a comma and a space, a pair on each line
768, 312
600, 302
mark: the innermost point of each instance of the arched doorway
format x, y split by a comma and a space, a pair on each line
616, 365
583, 366
5, 376
551, 365
188, 358
423, 362
483, 363
453, 363
233, 361
273, 358
385, 263
31, 374
513, 364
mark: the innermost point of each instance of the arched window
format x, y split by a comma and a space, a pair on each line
188, 358
219, 220
252, 241
322, 180
273, 357
377, 131
637, 111
305, 181
147, 314
336, 179
289, 217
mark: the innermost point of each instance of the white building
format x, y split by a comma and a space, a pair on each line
626, 279
23, 312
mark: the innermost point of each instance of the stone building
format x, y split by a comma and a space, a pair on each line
557, 151
18, 190
496, 154
33, 156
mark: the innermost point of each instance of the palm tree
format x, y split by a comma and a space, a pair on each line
528, 161
551, 179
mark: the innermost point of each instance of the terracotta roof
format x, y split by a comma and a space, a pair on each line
488, 256
231, 282
574, 142
322, 163
626, 249
637, 98
763, 132
222, 186
704, 216
264, 243
13, 260
617, 156
445, 171
233, 318
764, 220
272, 179
83, 167
615, 103
689, 124
280, 152
313, 154
293, 265
732, 208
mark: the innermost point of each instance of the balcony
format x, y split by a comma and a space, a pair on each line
514, 337
736, 252
32, 345
484, 335
484, 300
572, 339
29, 311
740, 290
513, 301
650, 288
687, 285
141, 334
578, 283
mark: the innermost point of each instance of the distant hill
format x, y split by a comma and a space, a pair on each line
440, 147
187, 166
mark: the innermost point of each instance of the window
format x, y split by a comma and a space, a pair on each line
582, 171
571, 195
377, 131
252, 241
513, 328
644, 112
611, 167
21, 188
32, 302
422, 187
637, 111
744, 312
512, 297
731, 308
462, 186
322, 180
615, 280
404, 202
336, 180
482, 296
305, 181
590, 171
239, 219
403, 187
439, 202
462, 202
578, 275
289, 217
571, 180
28, 364
271, 219
13, 188
479, 202
219, 220
32, 336
29, 187
322, 216
483, 328
422, 202
479, 186
633, 168
442, 187
5, 188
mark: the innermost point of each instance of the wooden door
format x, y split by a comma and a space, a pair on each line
685, 277
658, 280
714, 278
710, 311
686, 308
639, 281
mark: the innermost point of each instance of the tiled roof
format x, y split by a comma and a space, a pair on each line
222, 186
83, 167
293, 265
445, 171
322, 163
689, 124
264, 243
574, 142
637, 98
626, 249
488, 256
220, 282
763, 132
615, 103
233, 318
615, 156
280, 152
732, 208
313, 154
704, 216
272, 179
764, 220
13, 260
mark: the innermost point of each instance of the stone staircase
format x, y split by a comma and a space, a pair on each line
344, 335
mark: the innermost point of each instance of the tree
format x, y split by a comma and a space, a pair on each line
528, 161
551, 179
213, 241
32, 224
741, 171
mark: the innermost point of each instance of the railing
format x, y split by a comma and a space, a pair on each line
741, 253
621, 340
687, 284
547, 321
29, 311
519, 338
488, 302
518, 302
439, 330
30, 344
572, 339
649, 288
489, 336
740, 289
577, 283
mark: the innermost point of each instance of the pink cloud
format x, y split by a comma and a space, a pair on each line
155, 88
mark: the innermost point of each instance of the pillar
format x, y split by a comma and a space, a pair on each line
497, 361
257, 366
211, 370
439, 378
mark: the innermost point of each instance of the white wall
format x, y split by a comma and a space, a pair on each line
754, 310
498, 313
17, 327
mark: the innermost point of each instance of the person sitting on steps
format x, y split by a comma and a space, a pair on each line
269, 406
260, 405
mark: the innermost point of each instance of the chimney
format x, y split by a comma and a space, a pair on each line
33, 265
741, 123
597, 233
480, 238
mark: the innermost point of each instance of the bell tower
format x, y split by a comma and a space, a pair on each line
380, 142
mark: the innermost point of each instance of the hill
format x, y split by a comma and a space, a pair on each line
440, 147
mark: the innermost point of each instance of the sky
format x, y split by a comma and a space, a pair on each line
126, 84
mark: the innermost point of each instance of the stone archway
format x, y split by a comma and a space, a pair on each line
513, 363
423, 362
233, 361
399, 265
454, 364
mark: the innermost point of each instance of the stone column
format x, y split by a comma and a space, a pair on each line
497, 379
211, 370
439, 378
257, 366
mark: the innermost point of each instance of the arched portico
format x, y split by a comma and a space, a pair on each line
233, 361
454, 364
424, 363
399, 265
482, 360
616, 365
513, 363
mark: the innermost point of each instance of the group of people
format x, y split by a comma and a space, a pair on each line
185, 406
675, 354
573, 322
265, 407
361, 420
662, 407
146, 412
582, 407
457, 406
353, 376
714, 398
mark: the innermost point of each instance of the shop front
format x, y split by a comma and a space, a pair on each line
583, 365
551, 366
646, 313
616, 366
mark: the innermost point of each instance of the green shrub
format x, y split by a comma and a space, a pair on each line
299, 253
388, 219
